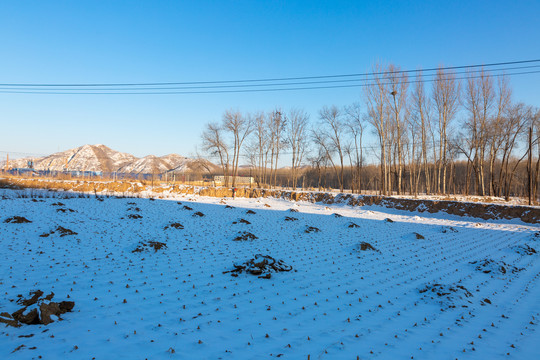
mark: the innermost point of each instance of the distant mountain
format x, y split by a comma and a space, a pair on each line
102, 158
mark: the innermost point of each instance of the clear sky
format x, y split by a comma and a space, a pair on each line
160, 41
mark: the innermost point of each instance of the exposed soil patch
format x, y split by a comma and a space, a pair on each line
525, 250
267, 205
419, 236
251, 212
450, 295
245, 236
17, 220
242, 221
336, 215
37, 309
64, 210
312, 229
365, 246
488, 266
262, 266
353, 225
156, 245
174, 225
229, 207
134, 216
293, 210
198, 214
185, 207
60, 230
290, 218
388, 220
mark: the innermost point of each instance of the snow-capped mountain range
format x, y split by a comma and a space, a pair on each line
102, 158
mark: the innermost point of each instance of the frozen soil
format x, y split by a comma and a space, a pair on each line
441, 297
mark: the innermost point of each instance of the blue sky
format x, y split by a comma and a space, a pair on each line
160, 41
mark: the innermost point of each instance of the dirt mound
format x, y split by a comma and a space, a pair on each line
156, 245
37, 309
449, 295
245, 236
17, 220
364, 246
60, 230
242, 221
64, 210
311, 229
262, 266
491, 266
525, 250
174, 225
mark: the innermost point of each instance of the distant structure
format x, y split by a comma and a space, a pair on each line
240, 180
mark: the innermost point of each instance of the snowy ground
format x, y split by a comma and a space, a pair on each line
338, 302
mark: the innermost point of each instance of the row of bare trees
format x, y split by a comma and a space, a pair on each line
422, 125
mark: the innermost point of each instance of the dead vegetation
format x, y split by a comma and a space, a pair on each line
242, 221
261, 265
488, 266
60, 230
245, 236
143, 247
174, 225
17, 220
365, 246
525, 250
449, 295
312, 229
37, 309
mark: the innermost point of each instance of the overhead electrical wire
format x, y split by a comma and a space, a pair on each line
270, 84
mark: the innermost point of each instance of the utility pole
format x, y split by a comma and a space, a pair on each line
529, 166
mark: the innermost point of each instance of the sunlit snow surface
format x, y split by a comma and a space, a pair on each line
338, 302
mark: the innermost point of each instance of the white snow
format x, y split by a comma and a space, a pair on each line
338, 302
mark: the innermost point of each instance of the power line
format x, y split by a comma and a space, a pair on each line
273, 79
249, 90
399, 76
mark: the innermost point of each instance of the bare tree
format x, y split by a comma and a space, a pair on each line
421, 116
375, 95
355, 122
330, 135
446, 91
214, 144
397, 100
240, 127
297, 138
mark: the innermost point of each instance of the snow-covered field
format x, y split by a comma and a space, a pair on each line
434, 297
